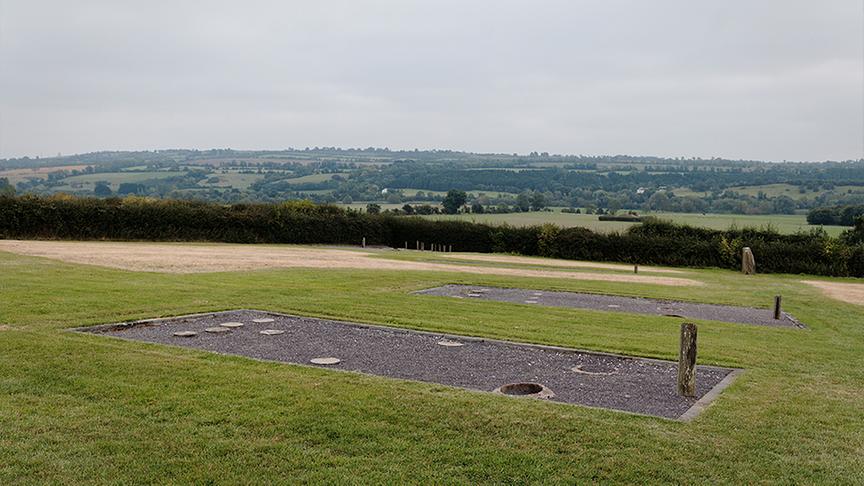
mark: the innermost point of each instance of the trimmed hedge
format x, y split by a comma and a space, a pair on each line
652, 242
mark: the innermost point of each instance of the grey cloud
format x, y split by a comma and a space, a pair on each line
770, 79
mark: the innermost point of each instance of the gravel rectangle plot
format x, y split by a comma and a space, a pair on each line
638, 385
637, 305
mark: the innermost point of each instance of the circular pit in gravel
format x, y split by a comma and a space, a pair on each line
595, 369
531, 390
450, 344
325, 361
217, 330
272, 332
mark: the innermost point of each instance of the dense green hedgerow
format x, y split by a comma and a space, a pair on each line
653, 242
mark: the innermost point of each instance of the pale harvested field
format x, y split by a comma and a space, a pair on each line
553, 262
199, 258
847, 292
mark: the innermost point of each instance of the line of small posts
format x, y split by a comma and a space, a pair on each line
439, 247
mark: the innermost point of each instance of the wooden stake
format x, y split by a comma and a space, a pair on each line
687, 360
777, 311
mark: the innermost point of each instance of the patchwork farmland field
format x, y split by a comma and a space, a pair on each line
78, 407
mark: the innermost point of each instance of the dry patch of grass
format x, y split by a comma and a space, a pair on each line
200, 258
554, 262
847, 292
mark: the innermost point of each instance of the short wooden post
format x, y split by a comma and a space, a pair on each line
687, 360
364, 242
636, 268
418, 244
777, 310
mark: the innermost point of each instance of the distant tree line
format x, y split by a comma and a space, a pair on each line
836, 215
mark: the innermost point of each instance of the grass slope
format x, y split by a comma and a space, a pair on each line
80, 408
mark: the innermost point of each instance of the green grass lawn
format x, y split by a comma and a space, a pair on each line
114, 179
79, 408
784, 223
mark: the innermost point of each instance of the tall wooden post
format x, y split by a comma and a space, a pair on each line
748, 263
777, 310
687, 360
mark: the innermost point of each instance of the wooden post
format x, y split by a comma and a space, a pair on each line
418, 244
364, 242
636, 268
406, 245
687, 360
450, 250
777, 311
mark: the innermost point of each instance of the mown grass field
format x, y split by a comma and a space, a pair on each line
784, 223
77, 408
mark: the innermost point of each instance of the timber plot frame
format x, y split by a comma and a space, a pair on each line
773, 317
637, 385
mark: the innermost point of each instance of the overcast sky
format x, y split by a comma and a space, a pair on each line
761, 79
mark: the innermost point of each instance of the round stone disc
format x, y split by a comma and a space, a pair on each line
231, 324
217, 329
271, 332
185, 333
325, 361
449, 343
264, 320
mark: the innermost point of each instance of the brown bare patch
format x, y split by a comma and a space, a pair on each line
4, 327
847, 292
198, 258
554, 262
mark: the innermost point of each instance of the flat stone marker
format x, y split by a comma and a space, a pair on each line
217, 330
231, 324
185, 333
325, 361
271, 332
264, 320
449, 343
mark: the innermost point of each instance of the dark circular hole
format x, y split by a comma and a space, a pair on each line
522, 389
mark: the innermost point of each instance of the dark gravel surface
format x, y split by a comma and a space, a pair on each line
622, 383
712, 312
